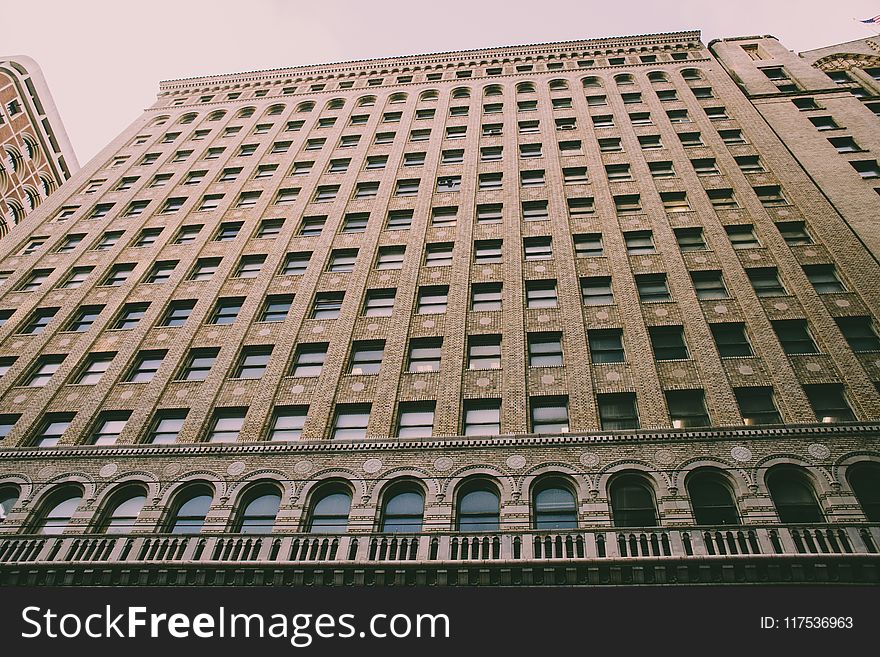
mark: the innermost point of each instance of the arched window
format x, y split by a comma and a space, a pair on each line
403, 509
692, 74
591, 82
624, 79
632, 502
57, 511
492, 90
16, 212
259, 510
216, 116
335, 104
123, 510
525, 88
47, 184
558, 85
367, 101
864, 479
307, 106
658, 76
8, 497
429, 96
275, 110
397, 98
190, 509
478, 507
330, 508
711, 499
187, 118
159, 120
554, 505
245, 113
461, 92
793, 496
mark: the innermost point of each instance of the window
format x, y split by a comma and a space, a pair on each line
252, 362
6, 363
70, 242
452, 157
490, 181
160, 271
366, 357
108, 240
632, 501
588, 245
379, 302
8, 494
766, 282
742, 236
770, 196
109, 427
37, 321
537, 248
172, 205
226, 310
690, 239
145, 366
650, 142
214, 153
310, 226
661, 169
545, 350
191, 507
675, 202
549, 414
326, 193
484, 352
794, 233
389, 257
709, 284
309, 359
444, 184
432, 299
330, 509
403, 509
829, 403
187, 234
482, 417
606, 345
415, 419
859, 332
147, 237
711, 498
845, 144
83, 318
541, 294
618, 172
413, 159
177, 313
424, 355
618, 411
135, 208
652, 288
535, 211
731, 340
295, 264
342, 260
485, 296
204, 269
639, 242
43, 369
824, 123
198, 364
793, 496
478, 507
286, 196
258, 510
350, 421
863, 479
794, 336
99, 211
596, 291
705, 167
487, 251
678, 116
628, 203
336, 166
57, 511
399, 220
226, 425
93, 368
749, 164
327, 305
610, 145
668, 342
490, 213
757, 406
130, 315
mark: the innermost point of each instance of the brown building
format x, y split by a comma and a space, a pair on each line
36, 155
565, 313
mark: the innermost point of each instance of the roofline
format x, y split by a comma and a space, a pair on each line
683, 34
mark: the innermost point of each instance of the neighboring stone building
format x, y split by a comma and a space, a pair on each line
35, 155
823, 104
565, 313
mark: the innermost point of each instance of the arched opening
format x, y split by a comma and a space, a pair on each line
403, 509
330, 508
553, 504
711, 498
793, 495
479, 507
632, 502
190, 509
864, 479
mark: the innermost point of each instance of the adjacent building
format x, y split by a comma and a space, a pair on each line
567, 313
36, 155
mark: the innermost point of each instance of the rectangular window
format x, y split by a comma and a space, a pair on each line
484, 352
596, 291
342, 260
652, 288
606, 345
690, 239
766, 282
438, 254
481, 417
117, 275
309, 359
295, 264
628, 203
490, 213
535, 211
859, 332
327, 305
197, 364
288, 422
276, 307
177, 312
160, 271
537, 248
389, 257
76, 278
167, 426
187, 234
83, 318
490, 181
226, 425
399, 220
446, 184
252, 362
432, 300
588, 245
709, 284
415, 419
366, 357
549, 414
639, 242
424, 354
687, 408
145, 366
249, 266
545, 350
270, 228
51, 429
757, 406
731, 340
618, 411
742, 236
668, 342
486, 296
226, 310
794, 336
130, 315
541, 294
311, 226
379, 302
794, 233
488, 251
93, 368
350, 421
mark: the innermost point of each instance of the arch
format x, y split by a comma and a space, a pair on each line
122, 509
13, 158
478, 506
329, 508
47, 184
633, 502
493, 90
159, 120
16, 211
864, 480
9, 496
305, 106
691, 74
429, 95
366, 101
258, 508
403, 507
591, 82
398, 97
190, 508
275, 110
31, 197
217, 115
245, 112
711, 497
461, 92
793, 495
657, 77
334, 104
57, 509
624, 79
554, 503
32, 149
559, 84
189, 117
525, 88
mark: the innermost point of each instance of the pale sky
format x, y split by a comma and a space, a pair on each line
103, 59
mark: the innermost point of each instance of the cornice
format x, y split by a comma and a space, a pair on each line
385, 445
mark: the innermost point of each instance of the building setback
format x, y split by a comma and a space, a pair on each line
565, 313
35, 155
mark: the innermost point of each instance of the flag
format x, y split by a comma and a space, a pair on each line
872, 21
